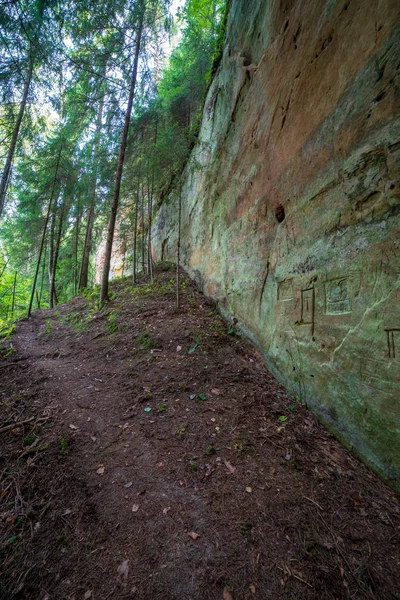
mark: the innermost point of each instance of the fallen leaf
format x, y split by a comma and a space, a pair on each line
202, 397
230, 467
166, 510
123, 570
213, 419
249, 490
87, 595
178, 348
128, 485
67, 512
100, 470
252, 588
135, 508
216, 391
147, 409
93, 438
193, 535
227, 595
73, 427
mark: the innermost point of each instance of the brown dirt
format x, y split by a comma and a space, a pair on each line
281, 509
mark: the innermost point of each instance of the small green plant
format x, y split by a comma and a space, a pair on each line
210, 450
78, 321
242, 446
48, 326
112, 323
162, 407
146, 342
246, 528
282, 418
152, 289
7, 351
30, 438
62, 540
181, 430
197, 344
64, 444
6, 331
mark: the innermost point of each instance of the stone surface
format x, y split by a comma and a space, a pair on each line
290, 207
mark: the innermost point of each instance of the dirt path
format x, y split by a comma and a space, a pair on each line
169, 464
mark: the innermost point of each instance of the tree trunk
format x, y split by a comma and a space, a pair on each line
43, 272
44, 235
87, 247
11, 151
117, 188
135, 235
4, 268
53, 295
143, 236
51, 253
77, 231
84, 271
13, 294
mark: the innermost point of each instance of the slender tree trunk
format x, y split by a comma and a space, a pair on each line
13, 294
87, 247
84, 271
135, 235
143, 236
117, 188
178, 248
150, 258
123, 260
53, 295
44, 235
4, 268
77, 230
11, 151
43, 272
51, 253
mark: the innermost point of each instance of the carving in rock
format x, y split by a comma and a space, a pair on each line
391, 342
285, 290
337, 297
307, 307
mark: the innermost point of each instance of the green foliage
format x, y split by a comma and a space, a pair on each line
210, 450
181, 430
113, 324
146, 342
64, 444
64, 166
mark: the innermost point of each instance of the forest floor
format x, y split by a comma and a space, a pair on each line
159, 460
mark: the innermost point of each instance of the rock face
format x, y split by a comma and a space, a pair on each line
290, 207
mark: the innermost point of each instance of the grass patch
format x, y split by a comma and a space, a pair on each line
145, 342
63, 444
153, 289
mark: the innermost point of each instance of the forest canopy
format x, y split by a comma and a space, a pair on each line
100, 106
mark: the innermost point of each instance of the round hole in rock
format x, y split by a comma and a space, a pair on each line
280, 213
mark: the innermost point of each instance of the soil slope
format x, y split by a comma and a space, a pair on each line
160, 460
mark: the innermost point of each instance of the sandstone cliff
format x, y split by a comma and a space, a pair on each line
290, 206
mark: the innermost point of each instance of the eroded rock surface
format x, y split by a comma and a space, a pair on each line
291, 201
